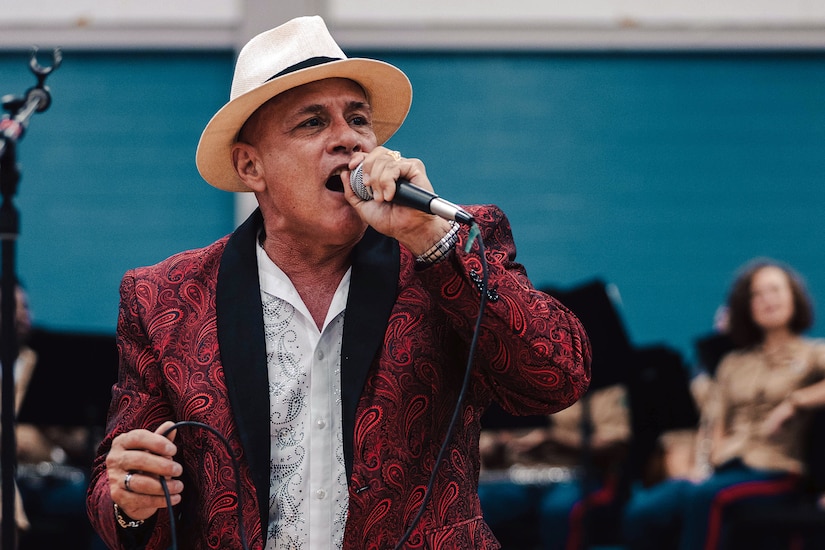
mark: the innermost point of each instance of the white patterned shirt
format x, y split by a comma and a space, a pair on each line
308, 496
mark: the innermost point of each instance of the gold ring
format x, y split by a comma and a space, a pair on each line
126, 481
396, 156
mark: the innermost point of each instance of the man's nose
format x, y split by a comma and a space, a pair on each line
345, 137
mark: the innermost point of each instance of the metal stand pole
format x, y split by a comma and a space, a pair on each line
12, 128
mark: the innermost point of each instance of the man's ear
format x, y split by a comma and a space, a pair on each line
247, 166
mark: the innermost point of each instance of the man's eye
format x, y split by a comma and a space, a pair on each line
360, 121
312, 123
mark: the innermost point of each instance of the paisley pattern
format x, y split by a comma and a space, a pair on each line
533, 358
170, 369
291, 389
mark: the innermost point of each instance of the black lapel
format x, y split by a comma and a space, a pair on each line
243, 352
372, 293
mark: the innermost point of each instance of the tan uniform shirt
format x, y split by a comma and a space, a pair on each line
750, 385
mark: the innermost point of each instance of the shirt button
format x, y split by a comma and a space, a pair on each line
320, 494
319, 355
320, 424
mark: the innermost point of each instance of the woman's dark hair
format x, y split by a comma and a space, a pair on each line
743, 330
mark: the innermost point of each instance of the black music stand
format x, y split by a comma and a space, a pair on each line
71, 386
612, 350
611, 365
72, 382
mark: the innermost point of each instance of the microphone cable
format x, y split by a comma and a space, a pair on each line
474, 234
236, 469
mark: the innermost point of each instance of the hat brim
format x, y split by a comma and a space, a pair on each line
388, 91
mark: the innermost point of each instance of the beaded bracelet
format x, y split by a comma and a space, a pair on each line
439, 250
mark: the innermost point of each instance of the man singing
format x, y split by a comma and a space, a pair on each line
326, 340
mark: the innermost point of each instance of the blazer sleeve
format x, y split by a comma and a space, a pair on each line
533, 353
136, 403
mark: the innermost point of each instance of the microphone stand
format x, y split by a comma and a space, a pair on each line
12, 128
587, 474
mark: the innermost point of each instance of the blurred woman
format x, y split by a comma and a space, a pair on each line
759, 410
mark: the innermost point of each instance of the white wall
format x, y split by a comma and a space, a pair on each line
463, 24
583, 11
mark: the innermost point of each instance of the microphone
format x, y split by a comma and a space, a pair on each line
412, 196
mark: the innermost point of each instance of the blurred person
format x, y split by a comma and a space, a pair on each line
326, 339
42, 498
552, 478
759, 407
23, 370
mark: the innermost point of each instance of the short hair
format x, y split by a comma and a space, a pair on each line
744, 332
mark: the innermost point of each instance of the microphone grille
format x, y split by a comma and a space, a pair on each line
356, 181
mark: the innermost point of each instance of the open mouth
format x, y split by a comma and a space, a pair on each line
335, 183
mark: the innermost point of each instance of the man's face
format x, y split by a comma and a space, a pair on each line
305, 137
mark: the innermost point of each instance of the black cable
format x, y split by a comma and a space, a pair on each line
460, 400
235, 467
171, 513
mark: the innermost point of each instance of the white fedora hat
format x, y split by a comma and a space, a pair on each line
295, 53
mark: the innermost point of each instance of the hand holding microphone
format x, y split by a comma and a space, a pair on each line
410, 195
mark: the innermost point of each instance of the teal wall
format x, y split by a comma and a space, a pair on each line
660, 173
108, 175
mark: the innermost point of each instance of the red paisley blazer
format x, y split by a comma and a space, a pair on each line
191, 344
